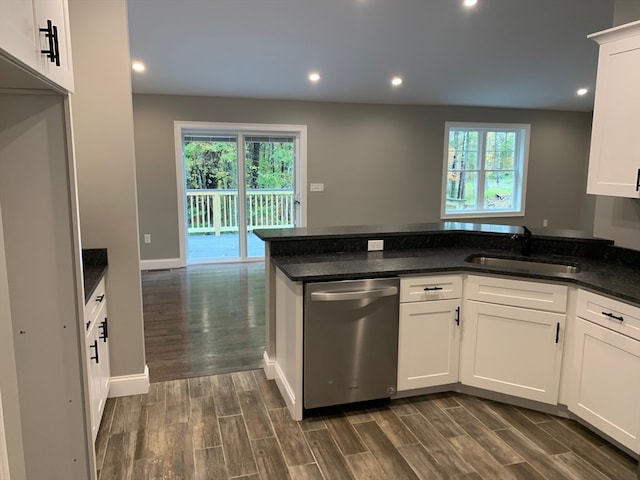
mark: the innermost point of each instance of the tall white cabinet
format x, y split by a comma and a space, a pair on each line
42, 374
43, 391
614, 161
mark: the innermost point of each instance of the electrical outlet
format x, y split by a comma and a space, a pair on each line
545, 223
147, 238
375, 245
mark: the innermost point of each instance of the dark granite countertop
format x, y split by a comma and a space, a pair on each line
94, 266
340, 253
357, 231
598, 275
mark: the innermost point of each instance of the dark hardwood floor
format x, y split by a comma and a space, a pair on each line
236, 426
203, 320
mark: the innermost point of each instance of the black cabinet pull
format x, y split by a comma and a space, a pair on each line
105, 330
557, 332
431, 289
51, 32
458, 316
95, 346
615, 317
638, 181
100, 298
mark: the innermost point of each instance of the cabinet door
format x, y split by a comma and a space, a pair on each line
606, 392
57, 12
104, 368
512, 350
428, 344
17, 31
614, 163
93, 366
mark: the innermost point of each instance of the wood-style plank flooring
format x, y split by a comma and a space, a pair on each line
193, 425
203, 320
236, 426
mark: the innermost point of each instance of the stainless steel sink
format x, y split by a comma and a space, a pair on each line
530, 265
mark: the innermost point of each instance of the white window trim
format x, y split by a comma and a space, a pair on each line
521, 171
181, 128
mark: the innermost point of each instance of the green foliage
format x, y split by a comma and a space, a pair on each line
213, 165
269, 164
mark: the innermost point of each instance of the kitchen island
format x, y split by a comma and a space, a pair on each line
340, 253
441, 251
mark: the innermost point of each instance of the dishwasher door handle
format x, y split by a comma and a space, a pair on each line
357, 295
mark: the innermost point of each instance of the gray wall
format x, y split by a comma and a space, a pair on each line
103, 128
381, 164
619, 218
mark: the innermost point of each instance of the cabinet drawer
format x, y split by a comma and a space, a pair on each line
609, 313
517, 293
93, 305
433, 287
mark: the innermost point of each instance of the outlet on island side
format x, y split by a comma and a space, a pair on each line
375, 245
147, 238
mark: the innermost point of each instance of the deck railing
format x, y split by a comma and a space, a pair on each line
216, 211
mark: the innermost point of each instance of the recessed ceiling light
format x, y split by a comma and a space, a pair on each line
138, 67
582, 91
396, 81
470, 3
314, 76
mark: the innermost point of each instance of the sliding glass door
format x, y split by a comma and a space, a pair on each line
235, 183
269, 186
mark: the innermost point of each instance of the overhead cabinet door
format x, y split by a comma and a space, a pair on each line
614, 163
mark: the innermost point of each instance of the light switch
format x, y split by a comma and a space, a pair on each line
316, 187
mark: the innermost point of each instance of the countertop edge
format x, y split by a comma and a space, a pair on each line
319, 269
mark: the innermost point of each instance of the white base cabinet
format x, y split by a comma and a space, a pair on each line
513, 350
429, 331
605, 387
97, 353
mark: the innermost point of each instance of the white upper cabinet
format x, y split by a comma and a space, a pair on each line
36, 35
17, 31
614, 162
56, 66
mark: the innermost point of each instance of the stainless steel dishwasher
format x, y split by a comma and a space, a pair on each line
350, 341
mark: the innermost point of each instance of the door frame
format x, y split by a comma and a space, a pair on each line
181, 128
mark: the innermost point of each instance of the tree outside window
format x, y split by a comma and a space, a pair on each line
485, 170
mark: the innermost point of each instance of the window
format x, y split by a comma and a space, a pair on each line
485, 169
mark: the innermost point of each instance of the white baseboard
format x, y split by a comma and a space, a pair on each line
293, 405
269, 366
126, 385
161, 264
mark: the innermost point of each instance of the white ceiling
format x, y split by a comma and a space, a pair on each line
501, 53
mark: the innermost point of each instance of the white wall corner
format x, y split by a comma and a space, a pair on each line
126, 385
